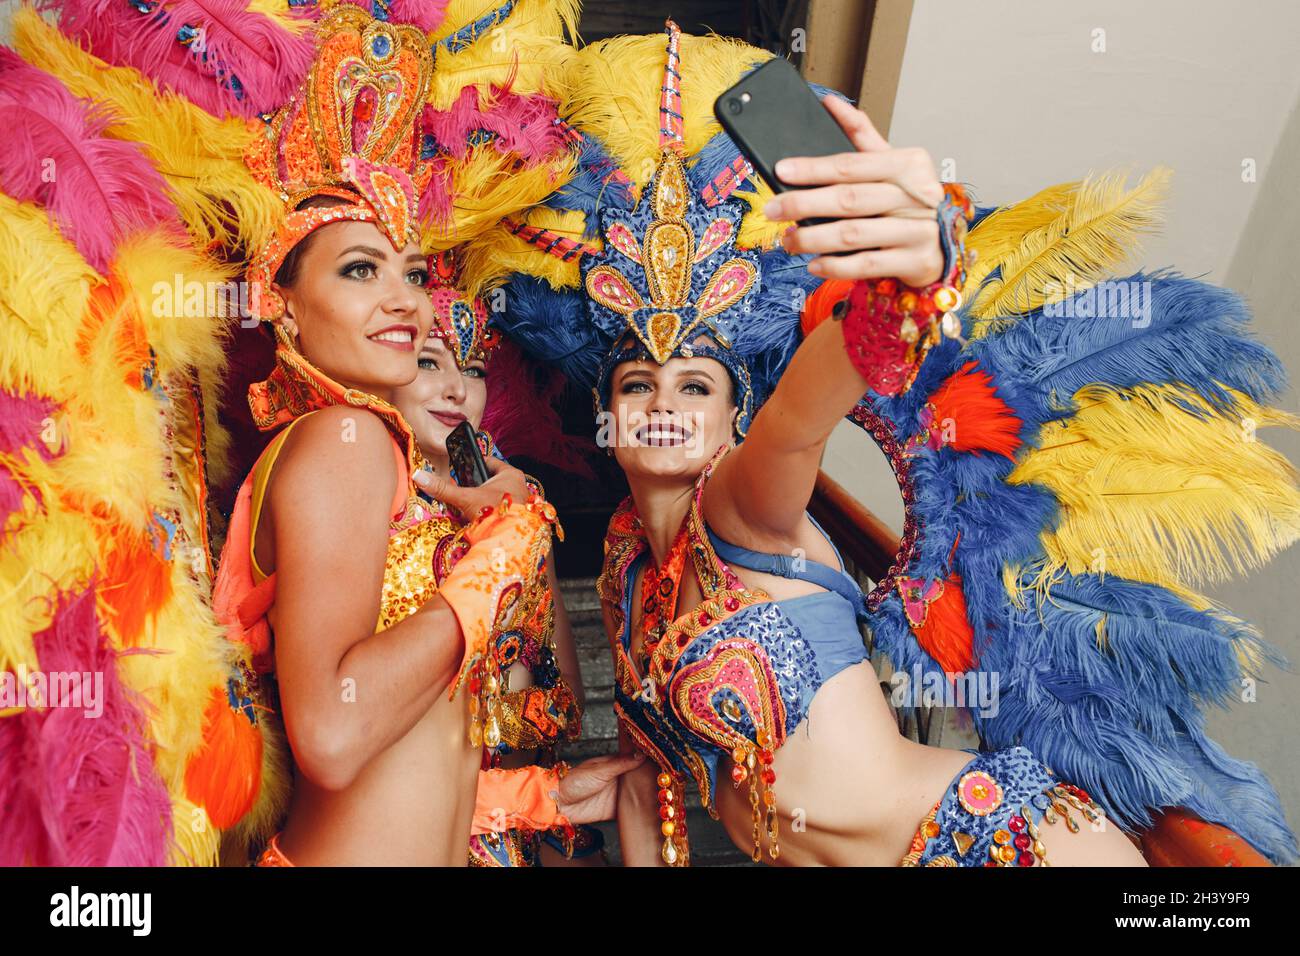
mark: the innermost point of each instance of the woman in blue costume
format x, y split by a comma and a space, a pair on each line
734, 628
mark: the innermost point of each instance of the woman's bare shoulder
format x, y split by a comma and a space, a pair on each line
1100, 844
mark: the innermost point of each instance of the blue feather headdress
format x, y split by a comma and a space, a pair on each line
670, 279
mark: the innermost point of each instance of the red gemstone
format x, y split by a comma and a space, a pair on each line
769, 776
665, 796
1017, 823
731, 603
1025, 859
766, 757
704, 620
1082, 795
1022, 841
666, 812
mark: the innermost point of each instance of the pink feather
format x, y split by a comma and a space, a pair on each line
96, 189
22, 417
79, 790
523, 124
425, 14
521, 413
268, 60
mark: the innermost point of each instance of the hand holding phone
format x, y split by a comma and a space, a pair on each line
466, 459
864, 208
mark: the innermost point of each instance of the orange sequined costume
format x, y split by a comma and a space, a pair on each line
349, 134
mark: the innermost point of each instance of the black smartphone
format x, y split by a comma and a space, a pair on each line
466, 460
773, 114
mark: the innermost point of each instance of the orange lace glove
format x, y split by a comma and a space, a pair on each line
510, 799
507, 545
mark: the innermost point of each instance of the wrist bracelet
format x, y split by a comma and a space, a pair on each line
889, 326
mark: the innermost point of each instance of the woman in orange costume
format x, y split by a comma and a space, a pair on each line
370, 624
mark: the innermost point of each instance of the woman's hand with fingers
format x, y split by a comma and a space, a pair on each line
469, 501
884, 202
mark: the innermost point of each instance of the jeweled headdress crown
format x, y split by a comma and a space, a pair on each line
459, 320
349, 132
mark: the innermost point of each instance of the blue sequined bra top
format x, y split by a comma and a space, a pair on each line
733, 677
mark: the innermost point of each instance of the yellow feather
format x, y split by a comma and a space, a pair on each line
200, 156
41, 557
1153, 493
496, 253
527, 50
1000, 234
280, 12
487, 186
194, 841
612, 92
43, 287
1097, 228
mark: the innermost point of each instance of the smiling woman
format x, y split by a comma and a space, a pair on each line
329, 572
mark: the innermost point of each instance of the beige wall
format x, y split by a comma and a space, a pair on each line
1022, 101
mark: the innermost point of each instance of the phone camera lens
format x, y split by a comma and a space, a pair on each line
734, 106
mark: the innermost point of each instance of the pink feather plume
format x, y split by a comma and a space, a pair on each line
80, 790
521, 413
268, 60
425, 14
95, 188
22, 418
523, 123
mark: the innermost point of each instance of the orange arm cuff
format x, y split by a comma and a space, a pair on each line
510, 799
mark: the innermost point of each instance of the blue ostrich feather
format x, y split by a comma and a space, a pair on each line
1195, 335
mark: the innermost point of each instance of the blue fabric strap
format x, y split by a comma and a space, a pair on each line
786, 566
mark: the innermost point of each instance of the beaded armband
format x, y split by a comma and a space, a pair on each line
992, 813
889, 326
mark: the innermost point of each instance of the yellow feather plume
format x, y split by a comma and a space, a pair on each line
200, 156
999, 234
1064, 239
1153, 493
488, 186
612, 93
527, 50
496, 253
43, 288
282, 14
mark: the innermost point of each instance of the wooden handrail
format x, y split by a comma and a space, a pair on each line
1177, 838
862, 537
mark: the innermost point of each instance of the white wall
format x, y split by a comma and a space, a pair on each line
1013, 93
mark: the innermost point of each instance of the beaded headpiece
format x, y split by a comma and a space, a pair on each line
349, 132
673, 276
459, 320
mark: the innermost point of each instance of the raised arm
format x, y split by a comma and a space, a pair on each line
347, 692
884, 202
